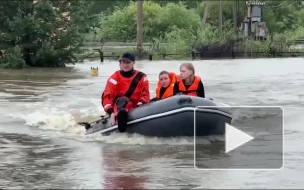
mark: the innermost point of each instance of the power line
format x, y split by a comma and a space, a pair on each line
282, 5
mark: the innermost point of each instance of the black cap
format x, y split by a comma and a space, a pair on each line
127, 56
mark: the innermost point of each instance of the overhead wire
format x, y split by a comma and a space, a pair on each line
281, 5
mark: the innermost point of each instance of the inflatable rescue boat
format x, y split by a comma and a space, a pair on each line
172, 117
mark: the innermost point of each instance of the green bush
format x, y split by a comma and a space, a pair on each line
14, 59
121, 24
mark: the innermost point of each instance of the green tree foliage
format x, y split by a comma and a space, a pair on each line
158, 20
285, 17
38, 33
282, 16
47, 32
14, 59
227, 7
108, 6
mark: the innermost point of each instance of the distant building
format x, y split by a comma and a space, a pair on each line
253, 26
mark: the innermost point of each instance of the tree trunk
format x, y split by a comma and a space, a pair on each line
220, 20
235, 19
139, 35
204, 20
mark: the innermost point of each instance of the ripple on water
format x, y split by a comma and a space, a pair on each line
23, 165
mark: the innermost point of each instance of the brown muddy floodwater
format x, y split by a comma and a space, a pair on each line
41, 146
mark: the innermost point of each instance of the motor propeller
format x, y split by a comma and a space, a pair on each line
88, 125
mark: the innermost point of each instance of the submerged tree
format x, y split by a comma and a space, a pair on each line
48, 32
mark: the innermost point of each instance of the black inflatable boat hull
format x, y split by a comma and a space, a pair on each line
173, 117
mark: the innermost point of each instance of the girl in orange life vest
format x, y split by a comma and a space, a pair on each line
190, 84
165, 85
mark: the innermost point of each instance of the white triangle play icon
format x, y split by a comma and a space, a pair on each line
235, 138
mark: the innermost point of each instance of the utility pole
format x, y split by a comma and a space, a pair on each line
235, 19
139, 35
220, 20
207, 3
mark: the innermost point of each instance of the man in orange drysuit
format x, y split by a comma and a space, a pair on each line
126, 89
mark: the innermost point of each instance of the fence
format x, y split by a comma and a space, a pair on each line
113, 50
201, 55
96, 43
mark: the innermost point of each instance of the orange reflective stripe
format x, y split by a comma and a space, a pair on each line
192, 90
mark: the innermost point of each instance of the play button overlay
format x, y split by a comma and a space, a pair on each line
235, 138
238, 138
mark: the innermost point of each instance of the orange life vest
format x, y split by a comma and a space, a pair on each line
136, 88
192, 90
169, 91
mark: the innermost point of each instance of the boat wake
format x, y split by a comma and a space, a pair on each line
243, 114
64, 124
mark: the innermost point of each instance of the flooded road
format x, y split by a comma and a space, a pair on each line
42, 146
